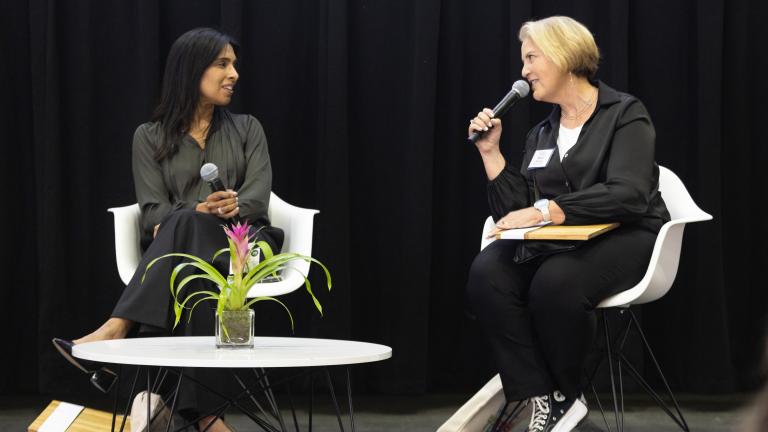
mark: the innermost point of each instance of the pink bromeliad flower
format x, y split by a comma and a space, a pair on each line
238, 235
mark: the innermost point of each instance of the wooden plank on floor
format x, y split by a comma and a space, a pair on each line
89, 420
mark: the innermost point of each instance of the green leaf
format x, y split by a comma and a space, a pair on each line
210, 297
177, 309
219, 252
314, 299
192, 277
266, 250
269, 266
258, 299
175, 292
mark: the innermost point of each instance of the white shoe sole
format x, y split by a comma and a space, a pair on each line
572, 417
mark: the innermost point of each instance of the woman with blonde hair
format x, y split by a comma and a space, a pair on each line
591, 161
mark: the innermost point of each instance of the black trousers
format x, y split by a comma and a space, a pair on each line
539, 316
150, 305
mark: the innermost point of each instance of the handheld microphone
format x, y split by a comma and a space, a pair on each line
210, 174
520, 89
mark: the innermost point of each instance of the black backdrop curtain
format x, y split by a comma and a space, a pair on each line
365, 104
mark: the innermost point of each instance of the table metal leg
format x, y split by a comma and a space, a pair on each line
349, 399
232, 401
117, 397
311, 398
130, 398
148, 397
175, 398
293, 408
333, 398
270, 395
263, 385
250, 395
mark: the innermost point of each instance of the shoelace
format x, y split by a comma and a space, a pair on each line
539, 413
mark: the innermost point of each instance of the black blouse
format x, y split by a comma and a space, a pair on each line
238, 148
609, 175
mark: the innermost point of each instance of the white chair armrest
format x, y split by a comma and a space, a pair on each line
489, 225
298, 225
127, 240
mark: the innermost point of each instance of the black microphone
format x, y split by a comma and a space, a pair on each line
520, 89
210, 174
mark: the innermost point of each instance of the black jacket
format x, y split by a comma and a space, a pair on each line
610, 175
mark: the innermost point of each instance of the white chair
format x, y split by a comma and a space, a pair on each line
296, 222
658, 279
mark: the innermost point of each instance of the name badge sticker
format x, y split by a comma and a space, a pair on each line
541, 158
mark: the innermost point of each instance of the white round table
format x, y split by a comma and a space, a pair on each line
268, 353
201, 351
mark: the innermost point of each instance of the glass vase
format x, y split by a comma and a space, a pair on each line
234, 329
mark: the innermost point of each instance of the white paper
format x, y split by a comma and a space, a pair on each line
61, 418
516, 233
519, 233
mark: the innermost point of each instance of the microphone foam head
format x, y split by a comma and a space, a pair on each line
209, 172
521, 87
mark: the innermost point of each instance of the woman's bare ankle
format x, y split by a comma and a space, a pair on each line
114, 328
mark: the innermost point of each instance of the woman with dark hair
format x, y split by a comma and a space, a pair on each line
179, 212
591, 161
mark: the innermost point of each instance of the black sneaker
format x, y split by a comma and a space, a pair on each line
555, 413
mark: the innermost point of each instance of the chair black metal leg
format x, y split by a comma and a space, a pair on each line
623, 363
684, 425
621, 392
499, 417
652, 393
502, 420
599, 405
610, 371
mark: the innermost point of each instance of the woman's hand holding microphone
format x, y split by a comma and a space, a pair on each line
223, 204
488, 143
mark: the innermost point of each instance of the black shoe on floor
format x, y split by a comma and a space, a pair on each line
101, 377
556, 413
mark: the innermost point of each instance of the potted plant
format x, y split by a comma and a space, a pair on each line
234, 316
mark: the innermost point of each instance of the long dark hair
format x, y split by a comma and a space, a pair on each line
190, 55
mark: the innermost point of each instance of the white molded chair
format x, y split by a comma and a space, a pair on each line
665, 258
658, 279
296, 222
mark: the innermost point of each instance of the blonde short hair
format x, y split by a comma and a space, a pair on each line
565, 42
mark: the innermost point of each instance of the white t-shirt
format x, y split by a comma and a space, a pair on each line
566, 139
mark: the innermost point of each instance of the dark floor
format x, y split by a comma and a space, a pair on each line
427, 413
